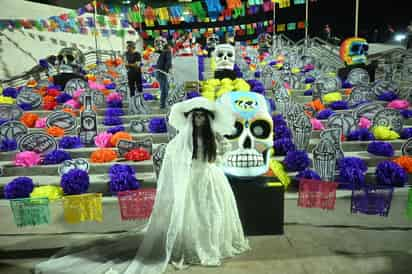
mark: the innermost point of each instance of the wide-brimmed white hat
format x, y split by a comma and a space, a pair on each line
223, 121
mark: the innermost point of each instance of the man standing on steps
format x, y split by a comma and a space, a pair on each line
164, 64
134, 73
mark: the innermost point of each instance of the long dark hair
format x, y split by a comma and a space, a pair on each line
207, 136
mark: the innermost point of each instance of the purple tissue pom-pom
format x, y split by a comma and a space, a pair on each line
119, 168
390, 173
381, 149
8, 145
309, 80
308, 174
387, 96
26, 106
111, 86
148, 96
112, 121
283, 146
406, 133
114, 104
75, 181
272, 104
123, 181
278, 120
56, 157
352, 162
10, 92
296, 160
257, 74
114, 112
346, 85
2, 121
68, 142
192, 94
406, 113
339, 105
282, 132
361, 134
324, 114
63, 98
308, 92
157, 125
20, 187
352, 176
116, 129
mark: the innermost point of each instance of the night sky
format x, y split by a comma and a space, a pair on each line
340, 15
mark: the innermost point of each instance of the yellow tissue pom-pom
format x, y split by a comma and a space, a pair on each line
242, 87
295, 70
221, 91
50, 192
308, 86
278, 65
332, 97
209, 95
278, 170
226, 81
384, 133
7, 100
263, 63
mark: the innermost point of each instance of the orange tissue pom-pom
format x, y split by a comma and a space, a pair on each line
105, 92
103, 156
348, 91
405, 162
55, 131
121, 135
317, 105
137, 154
32, 83
29, 119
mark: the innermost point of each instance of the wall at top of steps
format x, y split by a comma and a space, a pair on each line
13, 61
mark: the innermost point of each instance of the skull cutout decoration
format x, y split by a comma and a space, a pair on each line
224, 57
354, 51
160, 43
253, 139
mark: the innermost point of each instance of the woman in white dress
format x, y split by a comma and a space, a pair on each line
194, 219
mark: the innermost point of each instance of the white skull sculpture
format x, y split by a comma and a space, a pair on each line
253, 139
224, 57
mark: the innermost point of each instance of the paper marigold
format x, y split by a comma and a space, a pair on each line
405, 162
29, 119
55, 131
103, 156
317, 105
121, 135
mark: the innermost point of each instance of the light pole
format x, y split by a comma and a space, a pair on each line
356, 17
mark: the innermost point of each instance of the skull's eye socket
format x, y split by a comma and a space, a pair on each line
365, 47
355, 48
230, 55
239, 129
220, 54
260, 129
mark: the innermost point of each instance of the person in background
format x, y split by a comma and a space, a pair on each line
409, 36
164, 64
327, 33
134, 72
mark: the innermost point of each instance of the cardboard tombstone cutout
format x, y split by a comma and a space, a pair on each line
406, 148
334, 136
282, 99
368, 110
358, 76
88, 122
74, 84
302, 131
390, 118
31, 98
325, 85
345, 121
12, 130
324, 160
177, 95
359, 94
10, 112
68, 165
158, 155
380, 86
137, 105
224, 56
253, 139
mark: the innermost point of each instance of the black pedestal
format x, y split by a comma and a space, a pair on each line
225, 73
261, 208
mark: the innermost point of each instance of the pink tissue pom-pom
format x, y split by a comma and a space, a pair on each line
364, 123
95, 85
398, 104
316, 124
41, 122
309, 67
114, 96
27, 159
78, 93
102, 139
73, 104
286, 85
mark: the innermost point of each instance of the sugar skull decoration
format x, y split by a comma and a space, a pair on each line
354, 51
224, 57
160, 43
253, 139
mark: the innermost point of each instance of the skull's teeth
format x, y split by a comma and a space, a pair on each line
245, 160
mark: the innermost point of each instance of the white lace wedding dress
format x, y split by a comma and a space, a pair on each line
194, 221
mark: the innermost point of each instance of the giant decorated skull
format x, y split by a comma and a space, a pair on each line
354, 51
224, 57
251, 143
